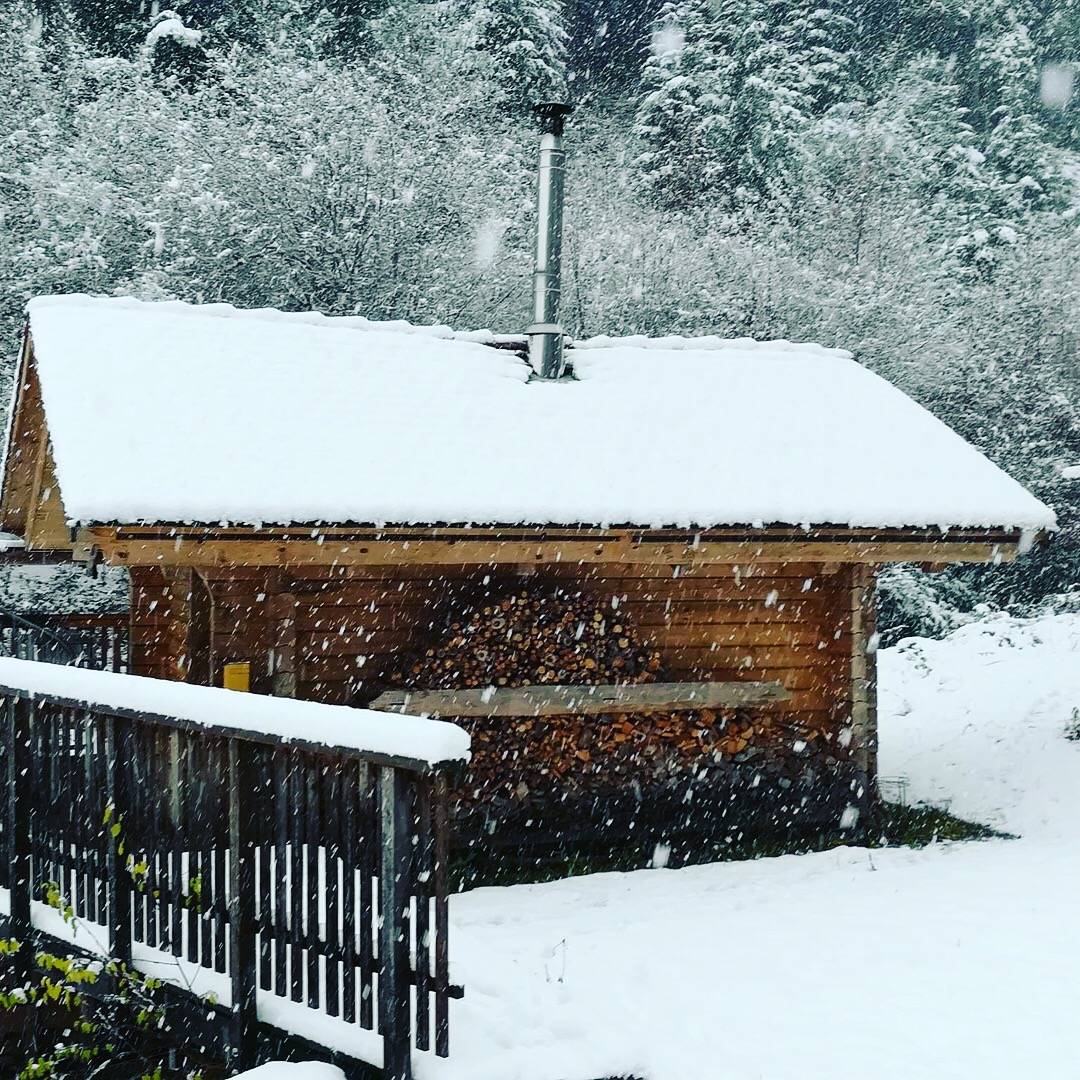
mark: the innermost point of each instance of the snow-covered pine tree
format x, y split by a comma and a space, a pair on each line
771, 106
722, 105
1057, 36
348, 32
110, 26
822, 40
527, 41
947, 168
684, 118
1017, 143
606, 42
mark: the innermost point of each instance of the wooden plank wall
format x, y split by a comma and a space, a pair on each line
324, 632
159, 618
240, 625
27, 428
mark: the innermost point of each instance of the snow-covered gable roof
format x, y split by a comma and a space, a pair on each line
167, 412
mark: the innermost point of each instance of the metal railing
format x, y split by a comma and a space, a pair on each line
299, 876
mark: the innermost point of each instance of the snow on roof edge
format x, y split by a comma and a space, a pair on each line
1029, 528
229, 311
709, 342
439, 330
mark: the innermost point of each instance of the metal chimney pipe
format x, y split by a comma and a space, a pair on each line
546, 335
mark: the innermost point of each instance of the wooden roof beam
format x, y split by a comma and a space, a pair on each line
335, 550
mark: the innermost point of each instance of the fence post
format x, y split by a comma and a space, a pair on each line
394, 983
118, 755
19, 801
242, 923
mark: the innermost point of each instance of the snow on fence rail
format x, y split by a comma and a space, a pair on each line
284, 849
415, 740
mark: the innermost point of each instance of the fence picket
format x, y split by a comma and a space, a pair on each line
368, 914
18, 733
281, 865
242, 921
118, 881
394, 874
421, 879
313, 896
442, 916
330, 790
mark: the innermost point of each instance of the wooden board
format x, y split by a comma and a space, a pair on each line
224, 553
580, 700
25, 440
521, 548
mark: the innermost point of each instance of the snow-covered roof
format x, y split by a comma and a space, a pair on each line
168, 412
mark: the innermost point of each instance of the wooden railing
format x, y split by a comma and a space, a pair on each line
294, 873
97, 643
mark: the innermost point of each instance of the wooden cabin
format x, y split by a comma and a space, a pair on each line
377, 512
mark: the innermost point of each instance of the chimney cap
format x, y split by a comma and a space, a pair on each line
552, 116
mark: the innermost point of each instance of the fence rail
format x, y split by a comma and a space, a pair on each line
313, 876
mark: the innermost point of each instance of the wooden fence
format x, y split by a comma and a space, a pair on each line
100, 643
301, 873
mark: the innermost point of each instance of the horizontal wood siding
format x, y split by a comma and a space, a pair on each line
158, 625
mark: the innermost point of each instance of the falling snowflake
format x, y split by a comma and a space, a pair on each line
488, 242
667, 42
1056, 85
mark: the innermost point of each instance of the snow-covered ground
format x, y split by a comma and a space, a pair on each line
956, 961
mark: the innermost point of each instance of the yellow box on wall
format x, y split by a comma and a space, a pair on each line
237, 676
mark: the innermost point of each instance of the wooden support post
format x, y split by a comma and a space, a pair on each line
284, 637
864, 676
200, 606
118, 764
242, 922
19, 802
394, 982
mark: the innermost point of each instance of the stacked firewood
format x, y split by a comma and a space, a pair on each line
531, 638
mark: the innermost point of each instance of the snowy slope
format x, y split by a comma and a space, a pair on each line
958, 961
975, 722
223, 415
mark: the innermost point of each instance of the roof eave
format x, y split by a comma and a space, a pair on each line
357, 545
